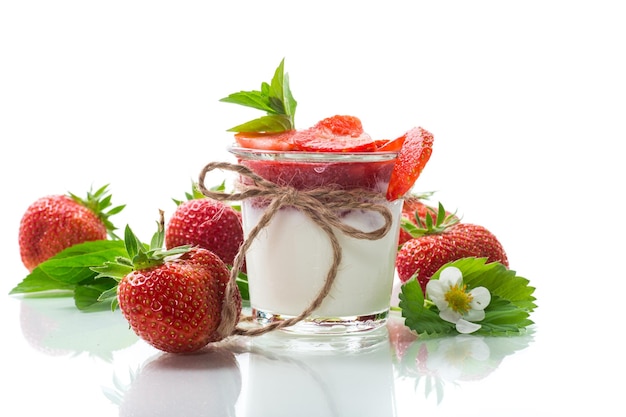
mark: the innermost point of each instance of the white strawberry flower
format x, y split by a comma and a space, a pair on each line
456, 304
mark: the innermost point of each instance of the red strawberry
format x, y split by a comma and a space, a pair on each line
54, 223
206, 223
445, 241
335, 134
172, 299
413, 156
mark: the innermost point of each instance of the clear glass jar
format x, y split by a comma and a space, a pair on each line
288, 262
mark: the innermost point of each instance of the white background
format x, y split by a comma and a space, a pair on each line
527, 102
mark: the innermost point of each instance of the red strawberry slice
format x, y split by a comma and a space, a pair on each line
310, 141
385, 145
415, 153
272, 142
340, 126
335, 134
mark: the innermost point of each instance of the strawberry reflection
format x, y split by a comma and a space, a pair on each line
54, 326
434, 362
205, 383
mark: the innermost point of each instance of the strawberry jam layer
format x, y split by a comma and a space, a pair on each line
311, 170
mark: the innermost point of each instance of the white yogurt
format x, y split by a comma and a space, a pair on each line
288, 262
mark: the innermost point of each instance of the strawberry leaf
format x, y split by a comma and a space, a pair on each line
497, 278
512, 300
418, 317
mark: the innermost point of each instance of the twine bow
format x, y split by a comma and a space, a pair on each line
318, 204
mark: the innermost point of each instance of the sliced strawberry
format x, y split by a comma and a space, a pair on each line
274, 142
415, 153
340, 126
335, 134
385, 145
311, 141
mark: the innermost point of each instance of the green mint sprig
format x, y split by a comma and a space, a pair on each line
274, 98
70, 270
512, 300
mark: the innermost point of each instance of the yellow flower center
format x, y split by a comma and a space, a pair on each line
458, 299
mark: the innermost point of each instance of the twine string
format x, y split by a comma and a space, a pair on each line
319, 204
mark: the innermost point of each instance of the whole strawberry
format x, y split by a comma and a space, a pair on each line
445, 240
173, 298
54, 223
206, 223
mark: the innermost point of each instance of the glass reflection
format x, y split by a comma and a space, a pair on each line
320, 382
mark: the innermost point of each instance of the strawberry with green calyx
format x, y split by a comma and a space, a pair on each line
172, 298
274, 98
207, 223
442, 240
54, 223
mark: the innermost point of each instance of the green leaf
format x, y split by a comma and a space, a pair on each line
497, 278
418, 317
39, 281
254, 99
88, 296
268, 124
504, 318
274, 98
70, 267
242, 284
512, 300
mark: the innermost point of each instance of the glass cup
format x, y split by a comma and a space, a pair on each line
288, 261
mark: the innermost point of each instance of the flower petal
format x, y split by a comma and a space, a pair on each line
451, 276
465, 327
450, 315
435, 290
474, 315
481, 297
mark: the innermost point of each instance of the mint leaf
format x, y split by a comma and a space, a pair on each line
70, 267
88, 296
279, 92
267, 124
274, 98
255, 99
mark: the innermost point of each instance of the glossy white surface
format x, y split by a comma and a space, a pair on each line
527, 107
